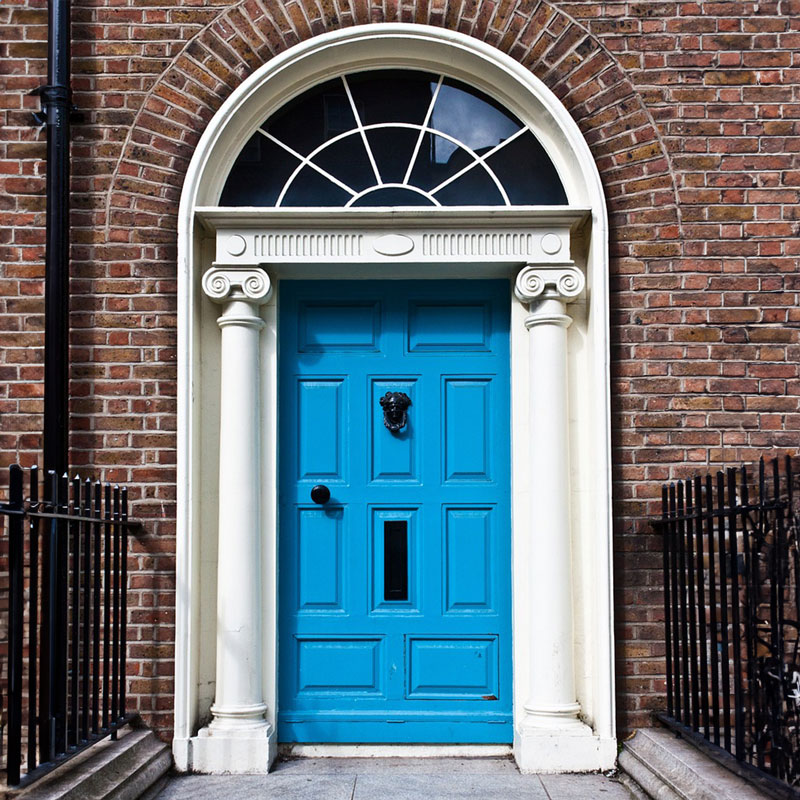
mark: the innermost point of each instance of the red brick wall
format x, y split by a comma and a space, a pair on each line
693, 113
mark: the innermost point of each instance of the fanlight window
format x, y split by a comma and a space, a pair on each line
392, 138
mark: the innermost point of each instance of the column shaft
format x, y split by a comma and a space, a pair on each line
551, 697
239, 694
239, 739
552, 685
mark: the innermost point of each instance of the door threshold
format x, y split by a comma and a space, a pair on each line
394, 750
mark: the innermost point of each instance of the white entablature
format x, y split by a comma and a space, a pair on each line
540, 234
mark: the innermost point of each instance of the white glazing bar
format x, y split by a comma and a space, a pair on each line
481, 160
414, 189
360, 126
304, 162
421, 136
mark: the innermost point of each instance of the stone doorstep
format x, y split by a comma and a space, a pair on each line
126, 769
667, 767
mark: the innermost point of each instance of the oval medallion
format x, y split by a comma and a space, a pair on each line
393, 244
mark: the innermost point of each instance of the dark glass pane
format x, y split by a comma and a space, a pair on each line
392, 95
385, 96
347, 160
393, 196
395, 560
392, 149
437, 160
527, 174
473, 188
310, 188
258, 174
311, 119
471, 117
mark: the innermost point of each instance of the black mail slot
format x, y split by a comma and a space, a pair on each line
395, 559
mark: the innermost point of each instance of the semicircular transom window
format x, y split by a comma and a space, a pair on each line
392, 138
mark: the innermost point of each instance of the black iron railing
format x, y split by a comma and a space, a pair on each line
67, 615
732, 608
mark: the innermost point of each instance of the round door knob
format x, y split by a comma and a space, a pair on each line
320, 494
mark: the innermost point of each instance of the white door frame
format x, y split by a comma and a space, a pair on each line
558, 373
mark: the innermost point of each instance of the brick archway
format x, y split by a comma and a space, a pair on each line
589, 81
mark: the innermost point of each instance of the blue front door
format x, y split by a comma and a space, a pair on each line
395, 599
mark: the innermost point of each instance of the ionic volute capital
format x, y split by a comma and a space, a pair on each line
560, 283
222, 283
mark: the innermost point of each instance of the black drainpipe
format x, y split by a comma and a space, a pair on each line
56, 109
55, 113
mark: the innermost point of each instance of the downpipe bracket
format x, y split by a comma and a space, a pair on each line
55, 98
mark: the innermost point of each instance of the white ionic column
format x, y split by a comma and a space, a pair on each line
550, 729
239, 738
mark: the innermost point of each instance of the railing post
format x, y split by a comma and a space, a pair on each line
107, 556
16, 566
116, 617
73, 733
47, 725
712, 594
85, 535
60, 567
691, 562
97, 536
736, 631
34, 687
701, 599
665, 553
677, 642
123, 637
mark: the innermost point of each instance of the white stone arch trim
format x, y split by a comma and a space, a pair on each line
478, 64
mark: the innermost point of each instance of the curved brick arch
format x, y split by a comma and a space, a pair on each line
572, 62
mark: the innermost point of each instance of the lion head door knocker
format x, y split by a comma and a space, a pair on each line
395, 410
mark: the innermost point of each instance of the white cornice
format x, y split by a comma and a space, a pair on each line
535, 217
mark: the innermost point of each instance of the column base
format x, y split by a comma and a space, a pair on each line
572, 749
238, 718
243, 751
558, 716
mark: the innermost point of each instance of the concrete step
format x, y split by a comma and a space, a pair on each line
666, 767
134, 767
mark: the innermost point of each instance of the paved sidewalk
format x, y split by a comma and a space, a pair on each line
395, 778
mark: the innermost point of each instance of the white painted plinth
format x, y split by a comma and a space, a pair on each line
240, 752
573, 749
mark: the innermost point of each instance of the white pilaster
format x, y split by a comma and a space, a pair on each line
550, 737
239, 739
